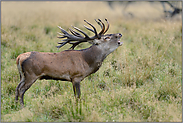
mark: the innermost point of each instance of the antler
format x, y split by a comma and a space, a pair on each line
76, 38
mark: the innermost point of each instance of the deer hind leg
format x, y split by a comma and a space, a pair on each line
22, 82
26, 80
23, 88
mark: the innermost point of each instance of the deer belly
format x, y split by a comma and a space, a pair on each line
56, 77
47, 77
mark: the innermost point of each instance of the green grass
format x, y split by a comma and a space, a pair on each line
140, 81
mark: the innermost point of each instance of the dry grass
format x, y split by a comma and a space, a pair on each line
141, 81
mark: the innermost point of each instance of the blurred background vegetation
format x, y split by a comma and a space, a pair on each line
140, 81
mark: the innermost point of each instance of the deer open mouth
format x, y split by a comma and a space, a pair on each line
120, 43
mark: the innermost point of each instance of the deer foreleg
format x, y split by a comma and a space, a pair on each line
76, 89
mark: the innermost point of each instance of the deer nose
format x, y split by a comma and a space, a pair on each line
119, 34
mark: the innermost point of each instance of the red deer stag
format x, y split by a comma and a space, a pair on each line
69, 65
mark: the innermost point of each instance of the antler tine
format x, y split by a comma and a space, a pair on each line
61, 34
103, 27
63, 31
62, 44
95, 31
89, 29
76, 33
107, 26
99, 23
86, 36
74, 44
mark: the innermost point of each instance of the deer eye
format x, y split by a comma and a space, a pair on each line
107, 38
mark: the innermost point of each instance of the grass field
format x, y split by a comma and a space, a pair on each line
140, 81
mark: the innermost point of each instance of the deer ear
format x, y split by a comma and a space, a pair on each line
91, 42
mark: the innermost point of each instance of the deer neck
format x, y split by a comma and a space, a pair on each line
94, 57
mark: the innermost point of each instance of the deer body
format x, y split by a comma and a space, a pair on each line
68, 65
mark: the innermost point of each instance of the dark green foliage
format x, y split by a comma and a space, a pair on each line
14, 28
47, 30
31, 37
